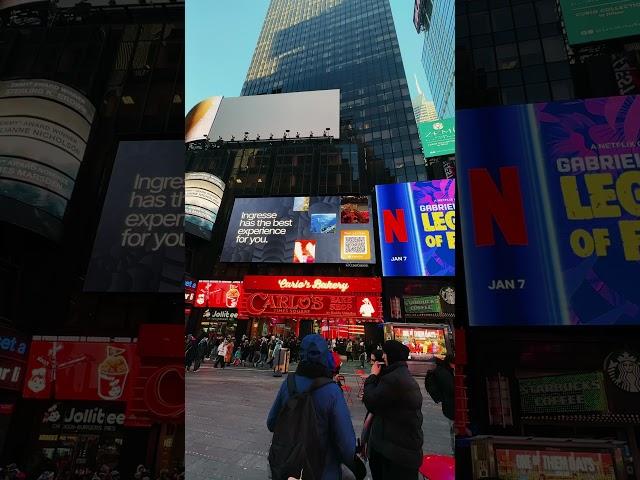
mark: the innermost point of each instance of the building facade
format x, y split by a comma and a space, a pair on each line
436, 18
91, 77
350, 45
520, 52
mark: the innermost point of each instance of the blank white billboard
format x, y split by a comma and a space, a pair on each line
266, 115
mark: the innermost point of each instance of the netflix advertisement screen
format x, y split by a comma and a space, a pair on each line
337, 229
550, 212
417, 228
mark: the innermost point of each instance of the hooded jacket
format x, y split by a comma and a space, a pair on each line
395, 400
337, 436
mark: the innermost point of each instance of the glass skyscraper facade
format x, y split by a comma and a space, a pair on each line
350, 45
438, 54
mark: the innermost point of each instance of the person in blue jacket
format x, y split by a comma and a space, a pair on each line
334, 420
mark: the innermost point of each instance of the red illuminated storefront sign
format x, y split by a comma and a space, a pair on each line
158, 393
218, 294
79, 370
311, 297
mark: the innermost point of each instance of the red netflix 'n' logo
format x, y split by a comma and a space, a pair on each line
394, 226
504, 205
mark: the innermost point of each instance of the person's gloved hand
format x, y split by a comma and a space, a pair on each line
358, 468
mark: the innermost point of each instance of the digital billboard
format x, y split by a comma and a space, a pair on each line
139, 246
596, 20
522, 464
332, 229
79, 370
218, 294
438, 137
203, 195
44, 127
417, 228
550, 212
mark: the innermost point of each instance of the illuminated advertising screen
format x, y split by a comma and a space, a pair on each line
13, 358
218, 294
438, 137
551, 213
139, 246
356, 298
424, 343
417, 228
44, 128
79, 370
596, 20
336, 229
203, 195
516, 464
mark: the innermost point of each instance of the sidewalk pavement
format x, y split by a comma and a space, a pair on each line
226, 432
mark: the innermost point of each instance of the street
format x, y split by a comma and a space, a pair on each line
226, 433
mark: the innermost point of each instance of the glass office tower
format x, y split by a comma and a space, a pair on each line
438, 54
350, 45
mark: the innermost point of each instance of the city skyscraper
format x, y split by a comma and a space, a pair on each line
350, 45
437, 19
423, 109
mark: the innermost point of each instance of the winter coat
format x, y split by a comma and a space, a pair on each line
334, 420
395, 400
443, 375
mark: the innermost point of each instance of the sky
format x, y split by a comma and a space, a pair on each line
222, 34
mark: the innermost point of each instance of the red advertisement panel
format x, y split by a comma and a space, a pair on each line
554, 465
158, 392
311, 297
218, 294
79, 370
286, 283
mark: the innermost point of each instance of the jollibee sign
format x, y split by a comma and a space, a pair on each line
311, 297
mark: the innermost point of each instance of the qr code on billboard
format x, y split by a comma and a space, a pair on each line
356, 245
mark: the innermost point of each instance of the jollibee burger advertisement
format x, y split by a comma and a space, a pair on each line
79, 370
218, 294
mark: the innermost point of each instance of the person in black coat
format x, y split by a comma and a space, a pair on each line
440, 384
395, 400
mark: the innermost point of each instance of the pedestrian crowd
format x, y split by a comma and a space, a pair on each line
12, 472
227, 351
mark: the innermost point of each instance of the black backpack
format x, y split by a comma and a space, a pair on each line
295, 448
432, 386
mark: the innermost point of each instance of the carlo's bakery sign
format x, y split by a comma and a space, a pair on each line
311, 297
